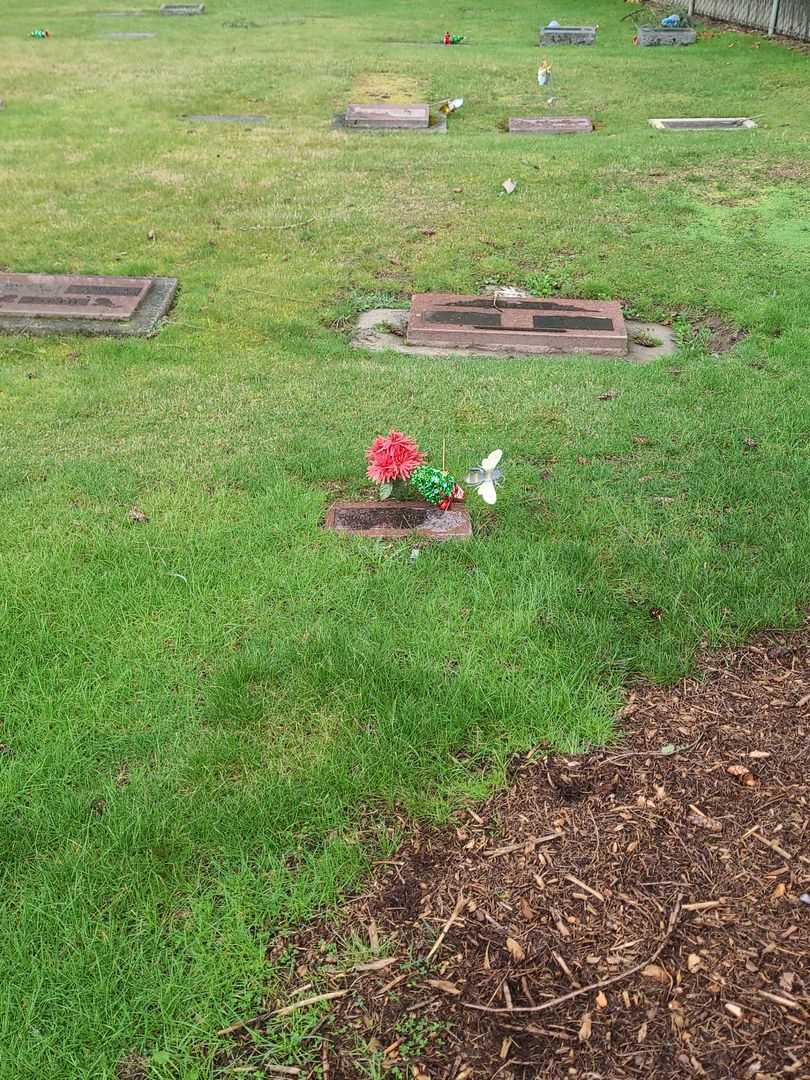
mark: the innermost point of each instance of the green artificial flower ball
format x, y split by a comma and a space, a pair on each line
432, 484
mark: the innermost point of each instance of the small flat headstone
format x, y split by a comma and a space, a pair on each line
392, 520
661, 35
530, 325
388, 116
703, 123
182, 9
568, 35
128, 35
55, 303
550, 125
226, 118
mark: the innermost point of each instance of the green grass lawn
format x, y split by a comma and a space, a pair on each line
203, 717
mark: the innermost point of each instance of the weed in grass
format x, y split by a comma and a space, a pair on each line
648, 340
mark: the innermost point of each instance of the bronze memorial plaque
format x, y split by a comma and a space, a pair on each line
550, 125
54, 303
388, 116
515, 325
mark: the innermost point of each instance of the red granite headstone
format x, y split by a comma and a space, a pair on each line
71, 297
550, 125
531, 325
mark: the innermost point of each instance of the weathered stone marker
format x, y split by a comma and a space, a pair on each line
393, 520
703, 123
515, 325
568, 35
226, 118
661, 35
550, 125
387, 116
182, 9
54, 304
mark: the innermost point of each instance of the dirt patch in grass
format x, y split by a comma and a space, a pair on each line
632, 912
373, 86
721, 336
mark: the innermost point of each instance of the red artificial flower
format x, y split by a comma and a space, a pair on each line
392, 457
456, 495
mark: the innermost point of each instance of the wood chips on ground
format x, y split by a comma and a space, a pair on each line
633, 912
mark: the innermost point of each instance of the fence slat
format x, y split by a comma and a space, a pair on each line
788, 17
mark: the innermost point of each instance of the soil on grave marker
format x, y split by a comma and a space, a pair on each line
673, 863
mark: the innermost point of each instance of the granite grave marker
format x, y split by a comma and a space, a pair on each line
703, 123
550, 125
54, 303
568, 35
391, 520
517, 325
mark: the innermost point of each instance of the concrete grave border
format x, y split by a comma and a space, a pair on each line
369, 335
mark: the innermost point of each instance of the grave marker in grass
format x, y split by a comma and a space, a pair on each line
182, 9
568, 35
517, 325
663, 35
550, 125
387, 116
226, 118
66, 304
703, 123
391, 520
414, 118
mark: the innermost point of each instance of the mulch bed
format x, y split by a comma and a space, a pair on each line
634, 912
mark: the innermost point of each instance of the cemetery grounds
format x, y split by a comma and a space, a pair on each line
212, 721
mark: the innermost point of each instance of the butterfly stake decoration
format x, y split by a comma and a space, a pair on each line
485, 476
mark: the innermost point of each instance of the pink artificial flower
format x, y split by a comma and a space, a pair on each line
392, 457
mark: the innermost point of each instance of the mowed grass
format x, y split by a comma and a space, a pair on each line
204, 718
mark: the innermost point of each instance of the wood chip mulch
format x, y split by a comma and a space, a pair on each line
639, 911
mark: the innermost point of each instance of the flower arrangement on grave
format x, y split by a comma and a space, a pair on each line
392, 459
396, 465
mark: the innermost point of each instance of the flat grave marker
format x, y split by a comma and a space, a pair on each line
56, 303
517, 325
226, 118
662, 35
388, 116
703, 123
416, 119
567, 35
550, 125
182, 9
392, 520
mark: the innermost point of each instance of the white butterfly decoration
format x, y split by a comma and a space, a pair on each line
485, 476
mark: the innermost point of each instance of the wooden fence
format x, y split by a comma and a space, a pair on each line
788, 17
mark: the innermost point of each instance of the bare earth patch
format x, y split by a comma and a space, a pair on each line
633, 912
